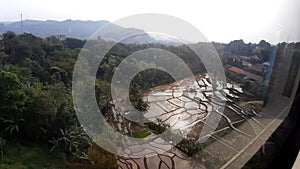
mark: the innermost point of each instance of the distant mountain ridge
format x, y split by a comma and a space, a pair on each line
73, 28
69, 28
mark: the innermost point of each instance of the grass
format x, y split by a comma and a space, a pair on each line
141, 134
18, 156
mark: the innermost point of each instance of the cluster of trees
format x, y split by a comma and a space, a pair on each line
262, 50
35, 94
36, 79
35, 89
35, 99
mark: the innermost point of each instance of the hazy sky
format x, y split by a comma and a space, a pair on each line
219, 20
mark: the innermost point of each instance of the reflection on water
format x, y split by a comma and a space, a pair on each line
185, 106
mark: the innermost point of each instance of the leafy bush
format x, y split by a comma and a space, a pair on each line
73, 141
100, 158
190, 147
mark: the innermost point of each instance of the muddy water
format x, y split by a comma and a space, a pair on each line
184, 106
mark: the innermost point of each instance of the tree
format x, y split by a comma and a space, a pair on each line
12, 101
8, 40
103, 95
72, 43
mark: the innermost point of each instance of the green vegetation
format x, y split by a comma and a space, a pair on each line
190, 147
17, 156
36, 97
141, 134
101, 159
158, 127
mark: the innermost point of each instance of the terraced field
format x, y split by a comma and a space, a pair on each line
222, 121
